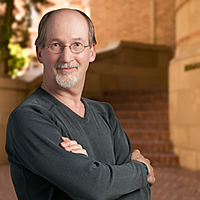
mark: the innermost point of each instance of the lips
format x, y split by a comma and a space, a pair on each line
67, 67
70, 69
64, 67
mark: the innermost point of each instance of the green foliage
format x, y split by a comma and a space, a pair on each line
19, 59
12, 54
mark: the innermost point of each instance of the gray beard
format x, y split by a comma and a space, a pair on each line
64, 83
64, 80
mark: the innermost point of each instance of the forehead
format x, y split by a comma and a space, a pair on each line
66, 25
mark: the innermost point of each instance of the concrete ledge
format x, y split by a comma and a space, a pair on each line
7, 83
128, 66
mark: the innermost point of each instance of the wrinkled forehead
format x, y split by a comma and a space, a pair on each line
67, 24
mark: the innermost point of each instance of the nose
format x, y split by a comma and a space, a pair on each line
66, 55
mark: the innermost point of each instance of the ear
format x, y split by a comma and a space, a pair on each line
93, 53
39, 54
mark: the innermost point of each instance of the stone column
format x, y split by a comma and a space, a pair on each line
184, 85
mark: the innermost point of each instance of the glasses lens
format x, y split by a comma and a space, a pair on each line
77, 47
55, 48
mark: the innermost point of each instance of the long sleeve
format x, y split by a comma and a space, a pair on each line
33, 140
123, 151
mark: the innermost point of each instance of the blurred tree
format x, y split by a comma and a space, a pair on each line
14, 34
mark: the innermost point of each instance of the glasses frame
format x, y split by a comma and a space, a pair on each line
70, 47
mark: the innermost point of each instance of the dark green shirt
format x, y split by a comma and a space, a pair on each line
42, 170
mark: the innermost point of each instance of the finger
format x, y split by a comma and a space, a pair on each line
151, 176
64, 144
137, 151
65, 139
151, 179
80, 151
68, 143
76, 147
72, 142
72, 147
136, 155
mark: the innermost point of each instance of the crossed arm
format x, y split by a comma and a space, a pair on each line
39, 151
74, 147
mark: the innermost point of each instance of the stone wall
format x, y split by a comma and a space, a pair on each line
12, 93
126, 66
184, 85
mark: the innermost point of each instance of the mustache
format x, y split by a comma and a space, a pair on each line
67, 65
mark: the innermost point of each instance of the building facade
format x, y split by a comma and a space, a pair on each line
172, 23
184, 85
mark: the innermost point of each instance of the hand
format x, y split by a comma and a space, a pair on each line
72, 146
136, 155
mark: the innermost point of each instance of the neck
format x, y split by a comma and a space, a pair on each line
69, 97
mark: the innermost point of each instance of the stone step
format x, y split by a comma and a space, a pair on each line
152, 135
152, 146
145, 125
142, 115
163, 159
140, 106
137, 97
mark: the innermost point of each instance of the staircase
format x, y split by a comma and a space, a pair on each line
144, 117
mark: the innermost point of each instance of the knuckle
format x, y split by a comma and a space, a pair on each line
74, 142
67, 148
137, 151
147, 160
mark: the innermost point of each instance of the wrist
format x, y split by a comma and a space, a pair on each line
147, 171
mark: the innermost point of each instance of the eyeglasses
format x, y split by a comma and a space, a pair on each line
76, 47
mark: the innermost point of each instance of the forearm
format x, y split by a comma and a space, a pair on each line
143, 194
94, 180
82, 177
74, 147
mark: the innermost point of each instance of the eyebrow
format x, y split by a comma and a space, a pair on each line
54, 39
73, 39
78, 38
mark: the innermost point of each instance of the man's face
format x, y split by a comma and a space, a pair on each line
66, 69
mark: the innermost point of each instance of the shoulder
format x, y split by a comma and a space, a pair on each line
37, 102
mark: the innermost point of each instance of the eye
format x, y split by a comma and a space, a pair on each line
77, 44
56, 45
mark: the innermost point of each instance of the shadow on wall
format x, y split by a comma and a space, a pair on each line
128, 66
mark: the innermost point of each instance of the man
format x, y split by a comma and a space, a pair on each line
62, 146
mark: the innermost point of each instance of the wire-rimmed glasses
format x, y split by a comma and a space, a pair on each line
57, 48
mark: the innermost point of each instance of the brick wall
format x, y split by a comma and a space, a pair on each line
165, 22
146, 21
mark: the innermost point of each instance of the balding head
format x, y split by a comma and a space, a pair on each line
40, 41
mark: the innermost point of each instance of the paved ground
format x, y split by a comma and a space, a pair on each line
171, 184
6, 187
176, 184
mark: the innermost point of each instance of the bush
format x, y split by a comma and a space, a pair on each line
19, 59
